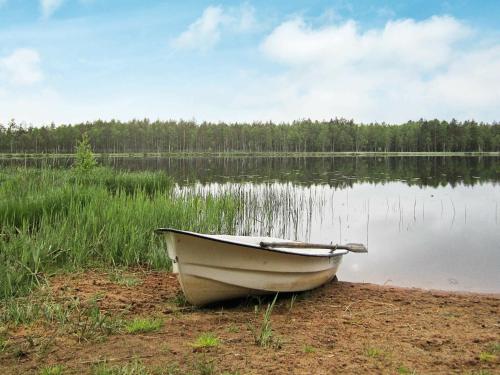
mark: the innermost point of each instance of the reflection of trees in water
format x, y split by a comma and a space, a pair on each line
335, 171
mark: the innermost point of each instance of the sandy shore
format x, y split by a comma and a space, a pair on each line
339, 328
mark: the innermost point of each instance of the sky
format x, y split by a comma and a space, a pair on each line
69, 61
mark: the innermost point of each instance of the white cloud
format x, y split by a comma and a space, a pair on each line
245, 18
21, 67
205, 32
49, 7
407, 69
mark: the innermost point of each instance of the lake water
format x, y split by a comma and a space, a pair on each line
430, 222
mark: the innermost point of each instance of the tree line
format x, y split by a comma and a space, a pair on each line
336, 135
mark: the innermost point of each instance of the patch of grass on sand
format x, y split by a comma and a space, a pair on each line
179, 300
19, 311
405, 370
373, 352
309, 349
132, 368
3, 343
205, 367
52, 370
91, 323
85, 320
119, 278
143, 325
233, 328
206, 340
264, 336
487, 357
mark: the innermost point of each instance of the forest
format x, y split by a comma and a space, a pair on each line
336, 135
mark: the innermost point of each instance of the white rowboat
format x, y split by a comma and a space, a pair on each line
213, 268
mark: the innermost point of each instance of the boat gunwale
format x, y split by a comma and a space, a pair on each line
255, 247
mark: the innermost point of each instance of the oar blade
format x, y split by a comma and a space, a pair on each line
356, 248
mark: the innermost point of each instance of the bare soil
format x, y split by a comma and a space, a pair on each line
339, 328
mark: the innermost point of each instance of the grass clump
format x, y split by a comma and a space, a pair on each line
491, 353
233, 328
309, 349
52, 370
132, 368
119, 278
405, 371
4, 343
205, 367
375, 352
487, 357
19, 312
206, 340
143, 325
84, 320
59, 219
264, 336
90, 323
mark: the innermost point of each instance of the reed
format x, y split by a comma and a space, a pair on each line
53, 219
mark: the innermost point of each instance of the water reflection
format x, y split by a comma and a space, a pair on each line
431, 237
335, 171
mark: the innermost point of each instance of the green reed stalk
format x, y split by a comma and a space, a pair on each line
51, 220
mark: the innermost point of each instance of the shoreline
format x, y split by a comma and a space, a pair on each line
341, 327
250, 154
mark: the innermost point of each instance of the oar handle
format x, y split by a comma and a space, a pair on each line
352, 247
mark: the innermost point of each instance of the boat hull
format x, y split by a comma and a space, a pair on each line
210, 270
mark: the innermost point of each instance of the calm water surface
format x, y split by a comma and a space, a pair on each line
430, 222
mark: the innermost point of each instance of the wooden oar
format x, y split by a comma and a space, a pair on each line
352, 247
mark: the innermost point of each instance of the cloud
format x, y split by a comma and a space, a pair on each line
21, 67
245, 17
205, 32
405, 70
49, 7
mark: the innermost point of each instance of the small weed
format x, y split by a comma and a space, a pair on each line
91, 323
121, 279
233, 329
205, 367
264, 337
375, 352
179, 300
494, 348
170, 369
206, 340
58, 313
4, 343
132, 368
143, 325
309, 349
405, 370
292, 301
52, 370
19, 312
487, 357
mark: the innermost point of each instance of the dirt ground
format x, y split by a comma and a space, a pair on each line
340, 328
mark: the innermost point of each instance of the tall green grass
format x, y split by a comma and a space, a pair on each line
52, 219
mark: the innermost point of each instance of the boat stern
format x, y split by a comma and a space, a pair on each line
172, 251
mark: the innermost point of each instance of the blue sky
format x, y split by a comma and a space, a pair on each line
77, 60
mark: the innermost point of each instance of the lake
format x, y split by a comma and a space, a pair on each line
430, 222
